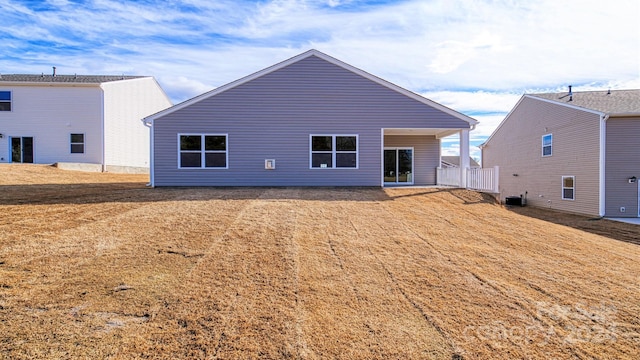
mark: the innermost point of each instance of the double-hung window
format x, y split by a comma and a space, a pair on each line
203, 151
5, 100
547, 144
568, 188
334, 151
77, 143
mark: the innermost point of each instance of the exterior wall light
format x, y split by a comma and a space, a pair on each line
632, 180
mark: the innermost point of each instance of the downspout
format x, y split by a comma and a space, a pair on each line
149, 124
382, 158
103, 135
603, 153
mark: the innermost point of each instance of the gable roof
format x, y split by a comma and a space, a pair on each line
64, 79
455, 160
611, 102
300, 57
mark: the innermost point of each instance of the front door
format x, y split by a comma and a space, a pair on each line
398, 166
22, 149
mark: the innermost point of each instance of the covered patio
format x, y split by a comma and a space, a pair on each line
411, 156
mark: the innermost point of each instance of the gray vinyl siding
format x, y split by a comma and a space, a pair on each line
426, 155
272, 116
516, 147
622, 162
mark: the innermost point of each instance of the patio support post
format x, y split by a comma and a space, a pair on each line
464, 157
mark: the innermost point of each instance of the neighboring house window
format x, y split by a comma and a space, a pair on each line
5, 100
203, 151
334, 151
547, 144
77, 143
568, 187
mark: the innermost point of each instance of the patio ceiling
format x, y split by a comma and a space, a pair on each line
438, 133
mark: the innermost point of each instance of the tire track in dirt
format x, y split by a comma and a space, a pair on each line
509, 297
533, 306
293, 252
361, 266
395, 240
239, 299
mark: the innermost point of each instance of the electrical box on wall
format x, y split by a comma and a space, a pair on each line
270, 164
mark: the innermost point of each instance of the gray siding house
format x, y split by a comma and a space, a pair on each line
573, 151
311, 120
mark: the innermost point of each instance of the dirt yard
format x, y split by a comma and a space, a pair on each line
99, 266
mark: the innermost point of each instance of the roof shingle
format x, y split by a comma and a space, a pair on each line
608, 102
80, 79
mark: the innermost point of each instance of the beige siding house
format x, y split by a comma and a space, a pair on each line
574, 151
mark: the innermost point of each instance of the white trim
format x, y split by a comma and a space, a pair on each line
71, 143
334, 152
602, 195
382, 157
543, 145
203, 152
565, 104
413, 160
573, 188
10, 100
464, 157
151, 154
103, 145
533, 97
303, 56
33, 149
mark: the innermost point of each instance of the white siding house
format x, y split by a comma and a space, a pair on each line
93, 121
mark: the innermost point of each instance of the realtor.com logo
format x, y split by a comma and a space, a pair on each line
567, 324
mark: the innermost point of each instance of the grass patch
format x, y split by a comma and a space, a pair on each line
99, 266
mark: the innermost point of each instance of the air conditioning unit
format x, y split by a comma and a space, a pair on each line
270, 164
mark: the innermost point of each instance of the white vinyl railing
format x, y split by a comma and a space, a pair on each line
448, 176
481, 179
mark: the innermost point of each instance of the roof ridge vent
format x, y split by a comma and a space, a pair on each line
570, 93
609, 92
54, 71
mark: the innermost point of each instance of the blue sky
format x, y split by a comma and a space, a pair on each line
475, 56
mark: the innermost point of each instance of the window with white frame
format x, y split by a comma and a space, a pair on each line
203, 151
547, 145
5, 100
334, 151
77, 143
568, 188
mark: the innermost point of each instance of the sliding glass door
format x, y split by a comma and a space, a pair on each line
398, 166
22, 149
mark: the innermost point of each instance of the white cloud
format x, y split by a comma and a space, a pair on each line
450, 55
475, 56
181, 88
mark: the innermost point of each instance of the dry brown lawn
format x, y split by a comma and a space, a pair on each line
99, 266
